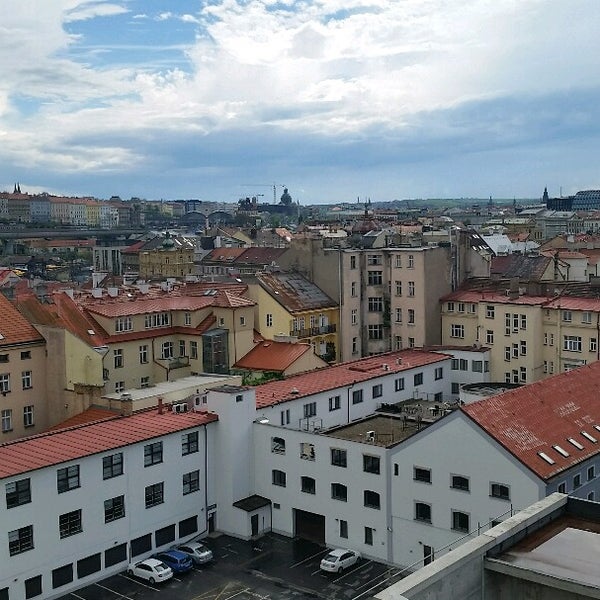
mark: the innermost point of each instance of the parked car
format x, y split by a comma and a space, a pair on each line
176, 560
339, 559
151, 569
198, 552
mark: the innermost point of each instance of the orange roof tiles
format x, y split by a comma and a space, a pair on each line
53, 448
122, 307
90, 415
344, 374
538, 416
488, 296
273, 356
15, 328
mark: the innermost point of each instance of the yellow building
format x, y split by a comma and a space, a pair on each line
173, 258
288, 304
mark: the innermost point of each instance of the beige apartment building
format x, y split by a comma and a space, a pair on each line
530, 336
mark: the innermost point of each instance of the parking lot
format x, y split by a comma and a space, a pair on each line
274, 568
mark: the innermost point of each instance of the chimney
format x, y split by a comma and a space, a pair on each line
126, 405
160, 405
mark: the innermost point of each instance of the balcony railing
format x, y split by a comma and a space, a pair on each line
312, 331
178, 362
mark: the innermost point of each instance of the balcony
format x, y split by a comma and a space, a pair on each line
312, 331
175, 362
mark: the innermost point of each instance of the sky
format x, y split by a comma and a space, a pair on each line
334, 99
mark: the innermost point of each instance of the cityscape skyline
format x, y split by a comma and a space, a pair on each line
224, 99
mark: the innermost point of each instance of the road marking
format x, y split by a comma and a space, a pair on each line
134, 581
236, 594
113, 591
385, 578
309, 558
353, 571
76, 596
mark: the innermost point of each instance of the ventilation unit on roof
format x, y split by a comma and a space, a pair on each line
370, 436
294, 391
179, 408
385, 367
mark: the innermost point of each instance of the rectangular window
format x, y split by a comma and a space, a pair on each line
593, 345
577, 481
338, 457
373, 259
189, 443
26, 380
285, 416
368, 536
18, 493
377, 391
354, 316
67, 478
489, 337
70, 523
490, 311
398, 288
353, 289
278, 478
398, 313
20, 540
154, 494
357, 396
411, 289
586, 318
4, 383
278, 445
507, 353
166, 352
399, 384
499, 490
411, 316
572, 343
375, 332
567, 316
477, 366
193, 350
457, 331
191, 482
118, 358
339, 492
343, 529
112, 465
157, 320
144, 382
114, 509
269, 320
455, 387
310, 410
182, 348
335, 403
460, 482
143, 354
307, 451
28, 416
450, 307
153, 454
591, 473
308, 485
374, 278
422, 512
515, 350
418, 379
6, 420
375, 304
523, 321
353, 262
371, 464
26, 355
397, 342
523, 347
119, 386
460, 521
461, 307
411, 261
187, 318
422, 475
371, 499
439, 373
123, 324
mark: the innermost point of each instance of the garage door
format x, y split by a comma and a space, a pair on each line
309, 526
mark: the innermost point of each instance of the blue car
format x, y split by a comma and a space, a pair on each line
178, 561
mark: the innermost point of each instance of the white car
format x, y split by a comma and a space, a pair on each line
152, 570
338, 560
198, 552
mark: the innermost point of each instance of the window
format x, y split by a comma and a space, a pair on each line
242, 320
523, 347
368, 536
67, 478
572, 343
285, 416
398, 262
269, 320
20, 540
187, 318
353, 289
191, 482
357, 396
371, 499
25, 355
182, 348
308, 485
567, 316
377, 391
6, 420
143, 354
112, 465
411, 316
166, 350
123, 324
119, 386
398, 313
454, 364
354, 316
489, 337
490, 311
343, 529
18, 493
153, 454
411, 289
460, 521
375, 304
310, 409
507, 353
373, 259
461, 307
398, 288
593, 345
374, 277
157, 320
411, 261
418, 379
193, 350
26, 380
118, 358
450, 307
577, 481
507, 322
307, 451
522, 374
277, 445
455, 387
4, 383
399, 384
3, 358
375, 332
515, 350
189, 443
339, 492
278, 478
499, 490
70, 523
457, 331
371, 464
439, 373
154, 494
422, 512
353, 262
562, 488
114, 509
421, 474
586, 317
591, 473
459, 482
477, 366
523, 321
335, 403
338, 457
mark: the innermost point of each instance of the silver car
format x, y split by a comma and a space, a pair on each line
198, 552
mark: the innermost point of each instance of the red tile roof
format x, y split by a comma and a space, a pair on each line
538, 416
53, 448
15, 328
329, 378
491, 296
121, 307
229, 300
273, 356
90, 415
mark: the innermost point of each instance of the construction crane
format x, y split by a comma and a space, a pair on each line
269, 185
